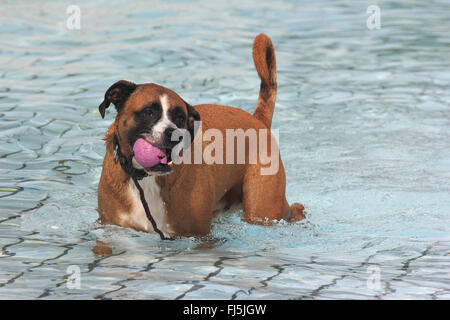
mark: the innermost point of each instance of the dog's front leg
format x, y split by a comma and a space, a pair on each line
190, 213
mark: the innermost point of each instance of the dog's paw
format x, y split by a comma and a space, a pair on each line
297, 212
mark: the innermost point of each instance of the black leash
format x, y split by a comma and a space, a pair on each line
126, 164
136, 175
147, 210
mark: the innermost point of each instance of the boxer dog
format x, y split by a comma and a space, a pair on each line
182, 199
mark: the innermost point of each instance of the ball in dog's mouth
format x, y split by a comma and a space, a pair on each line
152, 158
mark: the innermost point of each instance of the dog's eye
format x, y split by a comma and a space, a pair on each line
148, 112
179, 120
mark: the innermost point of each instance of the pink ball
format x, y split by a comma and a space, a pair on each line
148, 155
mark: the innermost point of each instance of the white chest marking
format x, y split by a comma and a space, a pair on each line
155, 204
164, 122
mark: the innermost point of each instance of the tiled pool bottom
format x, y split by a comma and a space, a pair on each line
364, 122
321, 258
191, 269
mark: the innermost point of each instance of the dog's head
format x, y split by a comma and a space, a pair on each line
151, 112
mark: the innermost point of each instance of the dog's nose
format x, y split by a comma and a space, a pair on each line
168, 136
168, 132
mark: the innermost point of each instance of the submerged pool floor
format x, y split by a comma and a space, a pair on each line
363, 117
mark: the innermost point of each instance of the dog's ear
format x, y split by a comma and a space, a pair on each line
117, 94
192, 116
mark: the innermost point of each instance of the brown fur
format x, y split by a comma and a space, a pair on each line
192, 192
266, 66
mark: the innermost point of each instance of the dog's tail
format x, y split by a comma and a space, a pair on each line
266, 65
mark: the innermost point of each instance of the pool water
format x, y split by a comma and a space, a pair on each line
363, 116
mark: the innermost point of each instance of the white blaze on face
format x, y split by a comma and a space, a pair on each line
164, 122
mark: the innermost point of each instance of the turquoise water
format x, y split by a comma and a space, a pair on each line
363, 116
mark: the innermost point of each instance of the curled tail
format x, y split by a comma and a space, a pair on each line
266, 65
